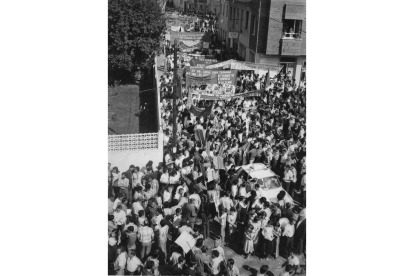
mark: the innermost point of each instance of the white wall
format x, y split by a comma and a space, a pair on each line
123, 159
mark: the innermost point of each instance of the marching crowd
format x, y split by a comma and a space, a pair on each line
198, 188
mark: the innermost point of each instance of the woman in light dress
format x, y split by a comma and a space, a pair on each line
248, 241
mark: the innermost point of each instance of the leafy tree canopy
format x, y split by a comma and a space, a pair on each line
135, 29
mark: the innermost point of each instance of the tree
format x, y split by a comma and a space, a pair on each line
135, 29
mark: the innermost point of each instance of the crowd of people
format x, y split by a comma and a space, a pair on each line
198, 187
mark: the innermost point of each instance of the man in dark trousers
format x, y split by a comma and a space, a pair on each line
128, 174
299, 238
287, 239
189, 213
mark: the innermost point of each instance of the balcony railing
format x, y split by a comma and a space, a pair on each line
292, 47
291, 36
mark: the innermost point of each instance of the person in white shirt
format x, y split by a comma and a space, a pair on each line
293, 260
131, 223
165, 179
259, 191
178, 194
136, 206
223, 222
268, 237
289, 179
226, 202
197, 199
167, 194
234, 188
179, 159
183, 186
174, 177
220, 249
242, 190
214, 264
287, 238
120, 262
119, 218
133, 264
117, 201
231, 224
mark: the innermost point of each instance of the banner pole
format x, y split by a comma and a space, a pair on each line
174, 142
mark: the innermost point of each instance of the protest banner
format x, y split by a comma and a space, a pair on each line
195, 36
222, 76
239, 65
186, 241
199, 112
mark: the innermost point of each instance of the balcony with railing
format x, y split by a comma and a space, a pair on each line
292, 44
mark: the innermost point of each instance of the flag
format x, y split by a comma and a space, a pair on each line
202, 170
267, 85
221, 150
220, 163
199, 112
283, 70
199, 135
208, 149
245, 152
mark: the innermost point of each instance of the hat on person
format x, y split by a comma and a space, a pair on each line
132, 167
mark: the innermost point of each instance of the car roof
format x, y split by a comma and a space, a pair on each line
262, 174
257, 170
253, 167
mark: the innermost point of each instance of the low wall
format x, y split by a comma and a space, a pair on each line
134, 149
137, 149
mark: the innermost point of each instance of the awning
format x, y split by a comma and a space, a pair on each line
295, 12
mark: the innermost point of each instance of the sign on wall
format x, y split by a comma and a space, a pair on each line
233, 35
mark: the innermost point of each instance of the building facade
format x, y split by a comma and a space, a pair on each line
214, 6
183, 4
223, 21
269, 31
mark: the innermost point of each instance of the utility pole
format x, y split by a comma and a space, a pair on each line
175, 98
258, 28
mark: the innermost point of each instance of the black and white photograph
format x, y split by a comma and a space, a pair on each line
207, 137
198, 111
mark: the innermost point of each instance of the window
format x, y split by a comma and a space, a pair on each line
227, 11
231, 12
237, 17
254, 25
247, 20
241, 20
289, 63
292, 28
222, 9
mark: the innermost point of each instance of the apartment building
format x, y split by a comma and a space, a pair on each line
268, 31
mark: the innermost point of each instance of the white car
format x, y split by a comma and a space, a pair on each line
267, 179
